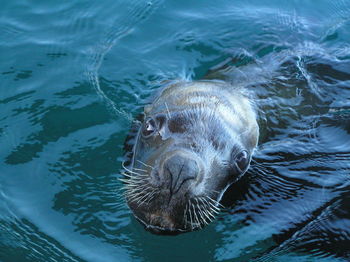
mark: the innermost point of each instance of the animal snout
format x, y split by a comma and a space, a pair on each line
178, 171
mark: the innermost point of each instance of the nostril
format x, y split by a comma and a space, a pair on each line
176, 187
178, 171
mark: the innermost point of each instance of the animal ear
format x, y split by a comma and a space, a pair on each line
242, 160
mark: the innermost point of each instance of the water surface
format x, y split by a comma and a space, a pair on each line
75, 74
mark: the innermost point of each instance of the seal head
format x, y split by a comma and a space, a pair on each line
196, 139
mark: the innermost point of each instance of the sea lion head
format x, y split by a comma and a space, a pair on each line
184, 158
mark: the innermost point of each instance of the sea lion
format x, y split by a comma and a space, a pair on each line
195, 140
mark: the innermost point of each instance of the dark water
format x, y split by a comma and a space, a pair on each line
74, 74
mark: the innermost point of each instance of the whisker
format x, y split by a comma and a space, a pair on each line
144, 164
131, 171
190, 214
135, 185
206, 214
139, 202
139, 169
195, 215
167, 109
135, 197
127, 175
140, 193
204, 217
185, 216
139, 189
210, 209
131, 180
132, 194
210, 213
202, 212
151, 196
215, 203
204, 200
127, 181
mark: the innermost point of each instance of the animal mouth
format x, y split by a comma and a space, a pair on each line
170, 229
159, 230
194, 215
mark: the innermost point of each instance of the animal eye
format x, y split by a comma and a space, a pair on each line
242, 160
148, 128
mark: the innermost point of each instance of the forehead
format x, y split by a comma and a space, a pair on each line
179, 123
199, 126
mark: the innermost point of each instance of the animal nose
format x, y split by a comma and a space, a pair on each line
178, 170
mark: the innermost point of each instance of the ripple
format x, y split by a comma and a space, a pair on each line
125, 26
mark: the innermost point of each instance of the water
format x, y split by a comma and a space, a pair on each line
73, 76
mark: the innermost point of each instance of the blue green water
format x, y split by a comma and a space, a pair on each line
73, 75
